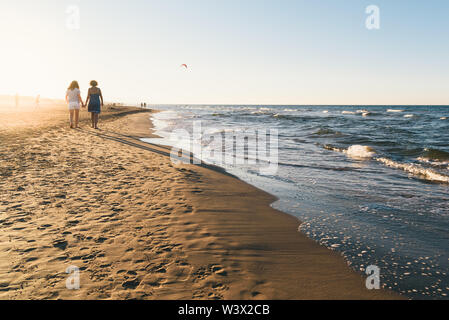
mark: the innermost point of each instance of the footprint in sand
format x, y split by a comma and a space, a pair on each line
60, 244
44, 226
101, 240
72, 223
218, 270
131, 284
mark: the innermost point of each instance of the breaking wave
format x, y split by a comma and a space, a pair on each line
366, 153
416, 170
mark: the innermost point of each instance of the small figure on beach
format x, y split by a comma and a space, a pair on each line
95, 102
74, 100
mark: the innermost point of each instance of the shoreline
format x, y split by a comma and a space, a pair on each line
267, 199
140, 227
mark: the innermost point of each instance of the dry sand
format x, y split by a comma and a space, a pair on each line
140, 227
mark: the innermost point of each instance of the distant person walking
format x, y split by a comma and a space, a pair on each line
94, 102
74, 100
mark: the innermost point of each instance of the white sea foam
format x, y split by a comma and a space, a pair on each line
395, 110
443, 118
364, 112
416, 170
360, 152
365, 152
348, 112
432, 162
409, 116
325, 111
261, 112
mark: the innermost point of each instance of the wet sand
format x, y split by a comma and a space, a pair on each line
138, 226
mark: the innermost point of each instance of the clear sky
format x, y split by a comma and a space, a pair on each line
238, 51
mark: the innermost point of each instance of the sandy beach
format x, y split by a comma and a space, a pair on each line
138, 226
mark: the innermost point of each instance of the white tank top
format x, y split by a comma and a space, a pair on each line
73, 95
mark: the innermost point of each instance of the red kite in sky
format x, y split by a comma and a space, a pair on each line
184, 65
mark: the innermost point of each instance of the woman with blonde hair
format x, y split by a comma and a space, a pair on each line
74, 100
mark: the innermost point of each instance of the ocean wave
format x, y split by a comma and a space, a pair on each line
327, 132
348, 112
434, 163
435, 154
354, 151
332, 148
360, 152
298, 118
260, 112
395, 110
416, 170
366, 152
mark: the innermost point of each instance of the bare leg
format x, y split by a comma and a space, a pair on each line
71, 118
92, 118
96, 120
77, 117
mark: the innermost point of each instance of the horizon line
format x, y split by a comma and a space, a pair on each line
242, 104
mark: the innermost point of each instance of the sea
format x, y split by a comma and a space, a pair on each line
370, 182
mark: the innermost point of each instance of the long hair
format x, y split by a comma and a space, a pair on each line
74, 85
